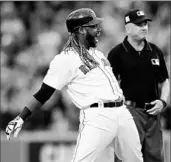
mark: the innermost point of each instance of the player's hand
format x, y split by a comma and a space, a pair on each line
14, 127
157, 108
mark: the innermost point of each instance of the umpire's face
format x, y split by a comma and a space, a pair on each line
137, 31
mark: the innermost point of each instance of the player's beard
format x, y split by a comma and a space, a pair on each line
92, 41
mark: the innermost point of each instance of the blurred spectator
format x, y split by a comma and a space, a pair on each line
33, 32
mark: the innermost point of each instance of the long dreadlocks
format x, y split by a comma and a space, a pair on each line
86, 58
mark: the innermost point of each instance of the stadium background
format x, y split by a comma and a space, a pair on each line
32, 33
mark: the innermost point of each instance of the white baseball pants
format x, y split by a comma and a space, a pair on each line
103, 128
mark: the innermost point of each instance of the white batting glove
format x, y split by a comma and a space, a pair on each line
14, 127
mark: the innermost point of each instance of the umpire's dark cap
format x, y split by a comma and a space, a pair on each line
136, 16
81, 17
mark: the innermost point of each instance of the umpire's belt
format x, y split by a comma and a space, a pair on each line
135, 104
108, 104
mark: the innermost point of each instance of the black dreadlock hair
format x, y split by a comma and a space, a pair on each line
86, 58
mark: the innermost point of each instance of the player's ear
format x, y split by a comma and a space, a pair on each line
82, 30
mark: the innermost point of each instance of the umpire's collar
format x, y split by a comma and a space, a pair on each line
128, 47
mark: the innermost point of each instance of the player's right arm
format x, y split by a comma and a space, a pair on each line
36, 101
59, 74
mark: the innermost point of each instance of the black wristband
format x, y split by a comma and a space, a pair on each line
25, 113
164, 103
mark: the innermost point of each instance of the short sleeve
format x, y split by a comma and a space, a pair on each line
59, 73
163, 73
114, 59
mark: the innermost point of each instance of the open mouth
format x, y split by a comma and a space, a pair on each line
96, 39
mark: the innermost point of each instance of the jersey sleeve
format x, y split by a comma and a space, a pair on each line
59, 73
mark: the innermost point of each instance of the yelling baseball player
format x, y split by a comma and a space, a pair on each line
88, 78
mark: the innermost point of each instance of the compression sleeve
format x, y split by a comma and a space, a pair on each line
44, 93
25, 113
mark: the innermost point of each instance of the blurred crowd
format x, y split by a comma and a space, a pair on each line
32, 33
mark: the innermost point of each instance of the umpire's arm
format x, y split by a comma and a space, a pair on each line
165, 90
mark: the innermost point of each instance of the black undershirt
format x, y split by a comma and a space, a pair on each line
44, 93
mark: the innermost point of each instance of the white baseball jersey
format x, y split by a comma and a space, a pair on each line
98, 126
84, 86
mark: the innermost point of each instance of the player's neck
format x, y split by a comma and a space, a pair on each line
84, 42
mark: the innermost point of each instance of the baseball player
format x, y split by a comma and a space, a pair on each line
88, 78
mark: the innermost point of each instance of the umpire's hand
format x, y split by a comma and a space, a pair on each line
157, 108
14, 127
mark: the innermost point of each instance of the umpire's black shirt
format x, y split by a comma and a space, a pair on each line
139, 72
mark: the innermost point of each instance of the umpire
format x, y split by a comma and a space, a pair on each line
140, 67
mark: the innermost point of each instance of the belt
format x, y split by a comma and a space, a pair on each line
142, 105
108, 104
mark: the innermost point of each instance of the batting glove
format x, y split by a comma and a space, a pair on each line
14, 127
